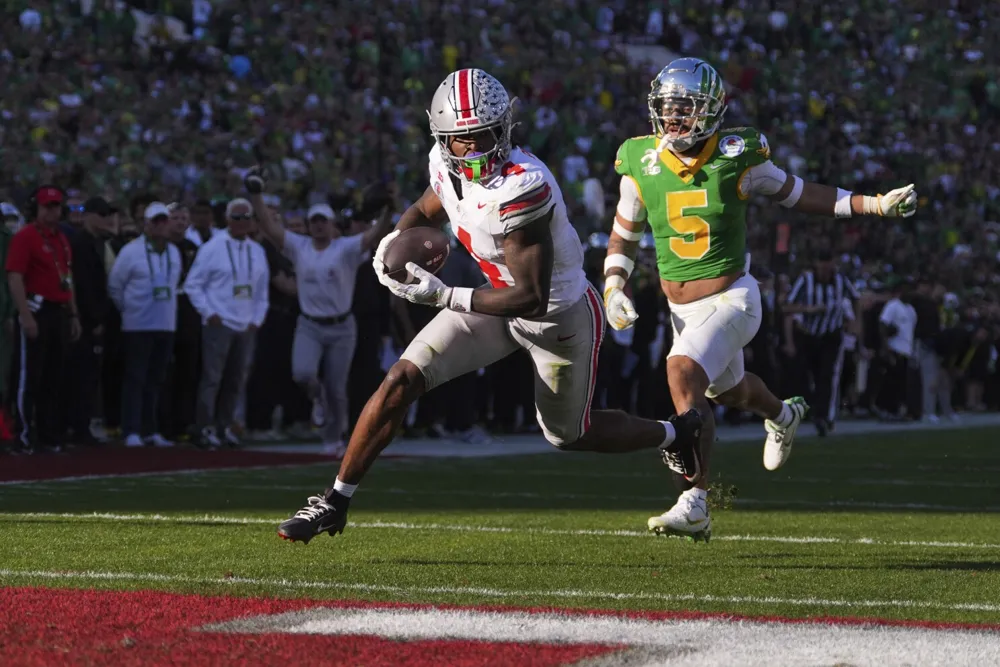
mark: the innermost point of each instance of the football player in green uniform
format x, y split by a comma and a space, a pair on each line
691, 183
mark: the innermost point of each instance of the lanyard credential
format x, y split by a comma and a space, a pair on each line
149, 262
232, 262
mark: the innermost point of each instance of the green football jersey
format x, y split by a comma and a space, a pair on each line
696, 212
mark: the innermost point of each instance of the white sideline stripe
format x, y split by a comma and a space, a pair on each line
662, 642
857, 504
92, 575
208, 519
163, 473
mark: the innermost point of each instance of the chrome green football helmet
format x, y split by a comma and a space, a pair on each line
687, 101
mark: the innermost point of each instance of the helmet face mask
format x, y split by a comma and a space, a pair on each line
687, 102
467, 103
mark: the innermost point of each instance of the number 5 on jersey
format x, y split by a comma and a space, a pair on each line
694, 233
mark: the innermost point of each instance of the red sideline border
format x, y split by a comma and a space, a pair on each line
121, 461
44, 626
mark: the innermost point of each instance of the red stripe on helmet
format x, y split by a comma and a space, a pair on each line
465, 93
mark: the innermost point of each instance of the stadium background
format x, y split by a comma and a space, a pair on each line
173, 100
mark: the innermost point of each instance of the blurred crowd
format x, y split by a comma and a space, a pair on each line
172, 101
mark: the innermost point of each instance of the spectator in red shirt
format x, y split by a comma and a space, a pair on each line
39, 273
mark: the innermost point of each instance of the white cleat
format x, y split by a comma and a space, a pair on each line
778, 445
687, 518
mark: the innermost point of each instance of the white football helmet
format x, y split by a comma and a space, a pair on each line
466, 102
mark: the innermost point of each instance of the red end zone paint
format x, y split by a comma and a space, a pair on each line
125, 461
47, 626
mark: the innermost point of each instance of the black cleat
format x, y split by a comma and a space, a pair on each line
322, 514
683, 455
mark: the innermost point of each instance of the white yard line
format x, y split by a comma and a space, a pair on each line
208, 519
91, 575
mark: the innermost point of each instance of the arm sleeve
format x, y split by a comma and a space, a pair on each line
765, 178
194, 285
630, 204
18, 254
118, 277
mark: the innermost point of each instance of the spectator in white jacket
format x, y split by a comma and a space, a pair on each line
228, 286
143, 286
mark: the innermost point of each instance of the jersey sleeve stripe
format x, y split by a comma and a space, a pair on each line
527, 204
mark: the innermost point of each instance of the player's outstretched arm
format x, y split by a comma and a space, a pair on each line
626, 232
529, 254
830, 201
425, 212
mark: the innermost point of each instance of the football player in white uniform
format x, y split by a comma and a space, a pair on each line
507, 210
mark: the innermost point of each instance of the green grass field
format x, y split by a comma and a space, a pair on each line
904, 526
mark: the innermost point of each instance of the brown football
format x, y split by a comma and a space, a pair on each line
427, 247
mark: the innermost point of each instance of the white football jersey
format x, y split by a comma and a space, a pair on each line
523, 191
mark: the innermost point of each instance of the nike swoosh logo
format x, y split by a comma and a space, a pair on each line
482, 206
327, 526
692, 522
714, 166
564, 338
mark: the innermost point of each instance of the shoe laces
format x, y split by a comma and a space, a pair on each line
673, 461
317, 507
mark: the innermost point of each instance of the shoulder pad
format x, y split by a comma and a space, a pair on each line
622, 163
524, 196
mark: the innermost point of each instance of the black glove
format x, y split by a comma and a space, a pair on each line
254, 181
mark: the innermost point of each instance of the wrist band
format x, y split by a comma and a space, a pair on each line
461, 299
842, 209
872, 205
619, 261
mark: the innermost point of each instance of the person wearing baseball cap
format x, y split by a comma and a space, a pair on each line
326, 266
39, 267
143, 286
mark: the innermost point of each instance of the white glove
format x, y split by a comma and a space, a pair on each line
429, 290
898, 203
621, 312
378, 261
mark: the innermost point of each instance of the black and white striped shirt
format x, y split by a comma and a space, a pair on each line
809, 291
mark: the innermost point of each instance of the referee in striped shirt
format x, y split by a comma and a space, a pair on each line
821, 302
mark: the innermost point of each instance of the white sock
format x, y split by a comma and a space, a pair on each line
700, 494
671, 433
785, 417
346, 490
